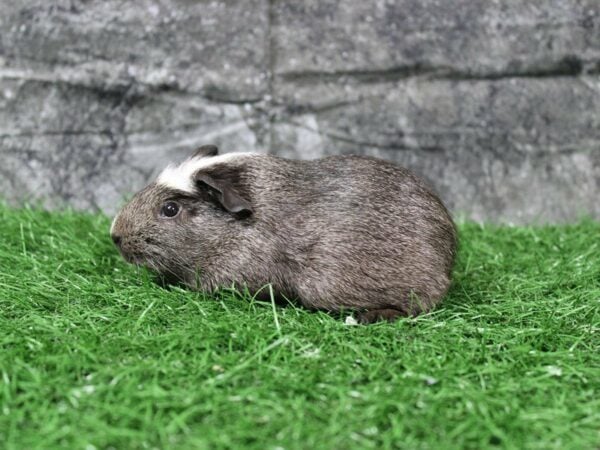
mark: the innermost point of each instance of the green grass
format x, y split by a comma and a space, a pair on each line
94, 354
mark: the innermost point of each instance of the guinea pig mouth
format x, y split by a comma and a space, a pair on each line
151, 257
134, 258
131, 253
143, 260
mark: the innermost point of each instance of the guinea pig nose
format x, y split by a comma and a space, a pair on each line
116, 239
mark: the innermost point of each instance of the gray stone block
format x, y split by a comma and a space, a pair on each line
519, 149
386, 39
96, 96
496, 103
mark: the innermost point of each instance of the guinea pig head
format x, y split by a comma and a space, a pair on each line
187, 216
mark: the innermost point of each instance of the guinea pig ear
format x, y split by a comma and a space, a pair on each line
205, 150
225, 194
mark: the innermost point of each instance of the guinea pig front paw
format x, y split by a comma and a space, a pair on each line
379, 315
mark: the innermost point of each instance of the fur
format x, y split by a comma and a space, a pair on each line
342, 232
180, 176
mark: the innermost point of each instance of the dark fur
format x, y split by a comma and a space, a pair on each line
343, 232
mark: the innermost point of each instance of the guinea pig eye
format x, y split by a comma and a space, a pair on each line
170, 209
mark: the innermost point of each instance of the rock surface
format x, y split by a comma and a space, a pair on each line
496, 103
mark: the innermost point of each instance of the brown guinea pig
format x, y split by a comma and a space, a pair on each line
337, 233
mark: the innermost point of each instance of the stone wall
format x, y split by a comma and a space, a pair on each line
497, 103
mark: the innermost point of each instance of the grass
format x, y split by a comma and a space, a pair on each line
94, 354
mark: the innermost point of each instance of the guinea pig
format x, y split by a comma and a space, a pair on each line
338, 233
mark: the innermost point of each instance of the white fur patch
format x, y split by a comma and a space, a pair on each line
180, 176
